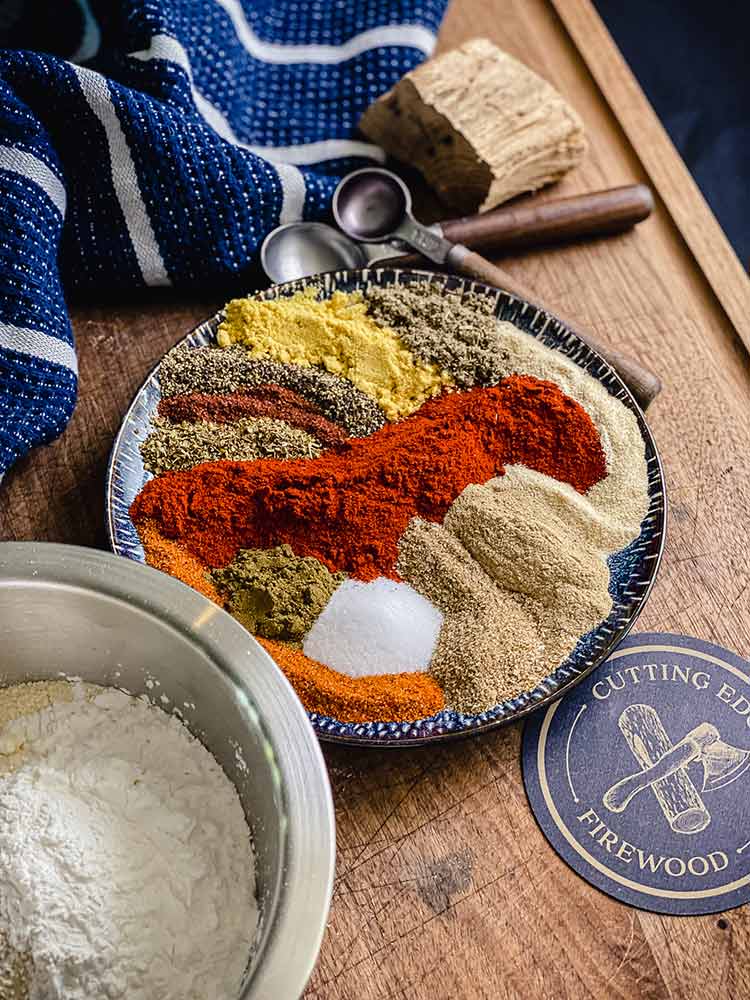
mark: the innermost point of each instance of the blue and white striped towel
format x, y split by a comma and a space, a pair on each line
158, 145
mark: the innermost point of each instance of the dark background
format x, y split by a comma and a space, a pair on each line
693, 61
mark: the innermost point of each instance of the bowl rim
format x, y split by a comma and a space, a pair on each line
291, 949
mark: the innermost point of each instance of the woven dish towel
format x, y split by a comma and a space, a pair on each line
156, 142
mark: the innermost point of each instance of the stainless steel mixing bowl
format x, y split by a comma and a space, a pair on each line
112, 621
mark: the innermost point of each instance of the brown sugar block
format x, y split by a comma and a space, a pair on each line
479, 125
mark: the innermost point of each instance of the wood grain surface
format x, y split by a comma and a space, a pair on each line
446, 889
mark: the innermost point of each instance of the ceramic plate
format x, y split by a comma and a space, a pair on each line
632, 570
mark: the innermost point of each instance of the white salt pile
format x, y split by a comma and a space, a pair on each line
126, 866
380, 627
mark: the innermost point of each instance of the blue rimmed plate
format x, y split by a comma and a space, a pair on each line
632, 571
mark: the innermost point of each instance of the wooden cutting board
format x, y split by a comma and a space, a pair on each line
446, 888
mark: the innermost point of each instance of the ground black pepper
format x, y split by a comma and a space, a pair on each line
171, 447
458, 332
224, 370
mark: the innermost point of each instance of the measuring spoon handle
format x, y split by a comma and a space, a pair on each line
642, 382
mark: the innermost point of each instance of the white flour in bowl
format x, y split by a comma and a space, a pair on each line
126, 865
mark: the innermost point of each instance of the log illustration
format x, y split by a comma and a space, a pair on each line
694, 746
676, 794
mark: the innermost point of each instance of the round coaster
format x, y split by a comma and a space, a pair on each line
640, 777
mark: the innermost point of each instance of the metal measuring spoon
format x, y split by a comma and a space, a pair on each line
300, 249
373, 205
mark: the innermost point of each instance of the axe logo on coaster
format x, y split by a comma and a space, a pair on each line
640, 777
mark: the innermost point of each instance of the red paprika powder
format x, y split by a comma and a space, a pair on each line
348, 508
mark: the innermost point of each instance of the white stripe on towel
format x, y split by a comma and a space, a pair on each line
96, 91
402, 35
291, 180
39, 345
293, 186
91, 38
308, 153
165, 47
18, 161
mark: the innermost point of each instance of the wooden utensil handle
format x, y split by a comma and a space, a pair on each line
643, 384
597, 214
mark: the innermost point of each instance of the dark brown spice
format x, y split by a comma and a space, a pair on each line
266, 401
233, 369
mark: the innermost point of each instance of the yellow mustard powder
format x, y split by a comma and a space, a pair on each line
338, 335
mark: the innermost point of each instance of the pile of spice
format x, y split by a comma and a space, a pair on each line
207, 370
170, 557
457, 332
518, 582
182, 445
382, 626
338, 335
388, 697
274, 593
443, 539
348, 508
126, 866
270, 401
